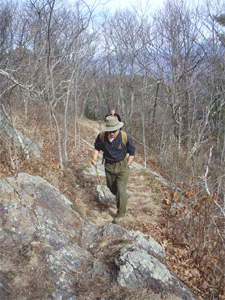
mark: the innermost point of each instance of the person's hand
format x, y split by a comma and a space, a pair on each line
94, 162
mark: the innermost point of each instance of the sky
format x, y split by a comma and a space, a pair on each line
113, 5
144, 6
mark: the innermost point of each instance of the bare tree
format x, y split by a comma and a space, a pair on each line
121, 40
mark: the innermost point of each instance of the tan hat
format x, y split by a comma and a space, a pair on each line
112, 124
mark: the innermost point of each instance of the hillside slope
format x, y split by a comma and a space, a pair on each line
145, 211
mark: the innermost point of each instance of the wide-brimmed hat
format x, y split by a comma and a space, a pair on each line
112, 124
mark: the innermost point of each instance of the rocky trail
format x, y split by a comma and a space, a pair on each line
59, 241
142, 209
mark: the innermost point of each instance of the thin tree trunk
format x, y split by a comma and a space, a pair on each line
143, 133
65, 117
58, 139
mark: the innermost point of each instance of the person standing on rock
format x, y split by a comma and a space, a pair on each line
118, 153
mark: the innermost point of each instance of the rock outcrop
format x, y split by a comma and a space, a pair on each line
21, 142
48, 250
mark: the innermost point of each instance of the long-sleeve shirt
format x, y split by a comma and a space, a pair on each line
115, 151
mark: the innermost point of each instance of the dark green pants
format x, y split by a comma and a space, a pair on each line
117, 178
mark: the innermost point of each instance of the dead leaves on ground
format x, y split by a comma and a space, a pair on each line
192, 242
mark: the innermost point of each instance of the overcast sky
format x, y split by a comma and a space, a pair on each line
113, 5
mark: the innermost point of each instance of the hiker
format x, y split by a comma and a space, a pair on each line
113, 113
118, 153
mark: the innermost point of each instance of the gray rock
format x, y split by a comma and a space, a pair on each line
35, 214
21, 141
148, 243
64, 263
109, 196
89, 234
138, 269
35, 207
112, 231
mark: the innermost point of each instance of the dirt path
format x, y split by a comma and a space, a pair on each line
143, 211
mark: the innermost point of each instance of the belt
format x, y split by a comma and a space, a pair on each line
115, 162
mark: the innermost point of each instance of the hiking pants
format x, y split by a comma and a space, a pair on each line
117, 177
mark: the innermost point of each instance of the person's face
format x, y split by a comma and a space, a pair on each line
112, 112
113, 134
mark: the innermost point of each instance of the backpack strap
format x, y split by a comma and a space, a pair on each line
124, 137
102, 137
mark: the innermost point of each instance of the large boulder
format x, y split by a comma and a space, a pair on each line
41, 239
